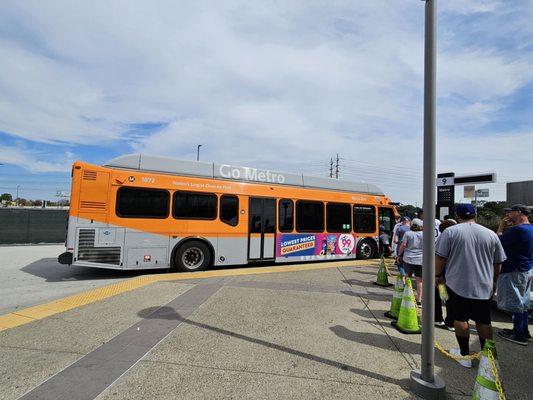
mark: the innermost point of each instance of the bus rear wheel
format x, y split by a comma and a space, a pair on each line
366, 249
192, 256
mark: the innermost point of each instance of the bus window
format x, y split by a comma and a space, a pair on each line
386, 219
364, 219
270, 216
338, 217
229, 209
190, 205
142, 203
310, 216
286, 215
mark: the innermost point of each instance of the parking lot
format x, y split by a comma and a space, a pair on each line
299, 331
31, 275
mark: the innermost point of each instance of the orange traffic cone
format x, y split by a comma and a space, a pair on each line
407, 318
396, 299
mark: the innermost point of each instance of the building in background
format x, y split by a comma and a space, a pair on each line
520, 193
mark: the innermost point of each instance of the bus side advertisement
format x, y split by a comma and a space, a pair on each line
320, 244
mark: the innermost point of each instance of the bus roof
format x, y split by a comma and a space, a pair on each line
141, 162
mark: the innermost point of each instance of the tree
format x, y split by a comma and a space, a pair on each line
491, 208
6, 197
407, 210
491, 213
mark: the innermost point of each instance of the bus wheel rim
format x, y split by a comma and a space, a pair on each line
366, 250
192, 258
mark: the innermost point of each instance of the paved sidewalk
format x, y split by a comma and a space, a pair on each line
317, 334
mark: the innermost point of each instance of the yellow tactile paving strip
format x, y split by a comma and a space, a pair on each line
26, 315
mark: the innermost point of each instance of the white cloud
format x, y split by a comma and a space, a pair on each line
285, 85
34, 161
471, 6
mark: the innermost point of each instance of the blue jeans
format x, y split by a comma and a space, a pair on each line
401, 269
520, 322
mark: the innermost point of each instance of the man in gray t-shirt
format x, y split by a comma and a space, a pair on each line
473, 255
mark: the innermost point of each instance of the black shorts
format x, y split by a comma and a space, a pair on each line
465, 309
413, 269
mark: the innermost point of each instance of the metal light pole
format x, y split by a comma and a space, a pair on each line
425, 382
198, 152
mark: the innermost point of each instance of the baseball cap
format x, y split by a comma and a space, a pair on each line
518, 207
417, 221
465, 210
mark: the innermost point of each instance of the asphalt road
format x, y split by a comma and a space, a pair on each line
31, 275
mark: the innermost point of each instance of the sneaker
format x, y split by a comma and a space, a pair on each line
440, 324
511, 337
511, 331
464, 362
451, 328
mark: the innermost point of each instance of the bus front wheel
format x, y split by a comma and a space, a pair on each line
192, 256
366, 249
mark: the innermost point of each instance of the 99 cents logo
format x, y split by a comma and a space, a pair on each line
346, 243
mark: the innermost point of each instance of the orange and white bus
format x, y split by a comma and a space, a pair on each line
145, 212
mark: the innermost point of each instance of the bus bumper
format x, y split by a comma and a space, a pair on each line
65, 258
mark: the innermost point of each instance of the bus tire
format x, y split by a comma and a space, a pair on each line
366, 249
191, 256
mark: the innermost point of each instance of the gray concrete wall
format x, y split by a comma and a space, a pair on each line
22, 225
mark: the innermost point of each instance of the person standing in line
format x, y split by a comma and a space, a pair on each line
384, 242
395, 237
405, 226
440, 321
473, 255
420, 215
410, 255
514, 283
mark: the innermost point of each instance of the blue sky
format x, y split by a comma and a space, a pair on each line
282, 85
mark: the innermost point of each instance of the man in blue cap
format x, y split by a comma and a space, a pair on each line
473, 255
514, 284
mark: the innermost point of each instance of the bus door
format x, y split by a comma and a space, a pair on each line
262, 228
386, 225
386, 219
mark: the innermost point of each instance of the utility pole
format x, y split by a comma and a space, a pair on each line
331, 167
17, 202
198, 152
337, 167
424, 381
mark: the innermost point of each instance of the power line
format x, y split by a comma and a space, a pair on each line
395, 175
26, 189
395, 166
